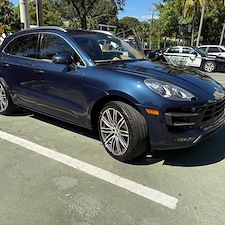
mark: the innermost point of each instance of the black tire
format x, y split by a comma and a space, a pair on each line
123, 131
209, 66
6, 104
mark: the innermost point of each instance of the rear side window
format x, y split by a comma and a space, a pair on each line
25, 46
213, 49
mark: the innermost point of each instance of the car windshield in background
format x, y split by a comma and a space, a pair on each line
103, 48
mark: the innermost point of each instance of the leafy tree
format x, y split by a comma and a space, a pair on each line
170, 14
193, 6
51, 16
128, 25
213, 23
105, 12
84, 8
8, 21
173, 12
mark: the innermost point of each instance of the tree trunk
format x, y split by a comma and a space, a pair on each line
222, 34
192, 32
83, 20
200, 25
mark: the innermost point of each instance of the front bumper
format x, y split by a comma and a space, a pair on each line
184, 127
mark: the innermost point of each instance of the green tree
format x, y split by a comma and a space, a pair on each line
128, 25
84, 8
170, 14
51, 16
192, 9
105, 12
8, 20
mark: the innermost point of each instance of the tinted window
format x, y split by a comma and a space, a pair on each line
25, 46
173, 50
53, 44
213, 49
188, 51
203, 48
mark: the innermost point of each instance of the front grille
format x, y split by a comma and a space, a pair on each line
214, 112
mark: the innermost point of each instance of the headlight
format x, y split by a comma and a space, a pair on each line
168, 90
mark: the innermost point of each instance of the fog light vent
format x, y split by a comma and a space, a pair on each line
184, 139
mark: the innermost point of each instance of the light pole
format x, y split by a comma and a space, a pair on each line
24, 14
39, 10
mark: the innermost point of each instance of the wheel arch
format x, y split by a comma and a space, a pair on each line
101, 102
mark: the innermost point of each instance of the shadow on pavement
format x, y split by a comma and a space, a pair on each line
209, 151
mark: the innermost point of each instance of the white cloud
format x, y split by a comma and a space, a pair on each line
146, 17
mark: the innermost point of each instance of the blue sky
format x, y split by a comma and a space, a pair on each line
140, 9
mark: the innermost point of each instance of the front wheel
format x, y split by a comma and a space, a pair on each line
123, 131
209, 66
6, 104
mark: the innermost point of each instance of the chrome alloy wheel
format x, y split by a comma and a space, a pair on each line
3, 99
209, 66
114, 131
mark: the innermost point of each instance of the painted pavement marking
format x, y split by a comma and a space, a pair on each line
139, 189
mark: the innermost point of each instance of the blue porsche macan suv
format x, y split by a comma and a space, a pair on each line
95, 80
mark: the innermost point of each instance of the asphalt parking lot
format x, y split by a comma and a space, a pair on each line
53, 173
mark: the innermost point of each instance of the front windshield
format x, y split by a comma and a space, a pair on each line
103, 48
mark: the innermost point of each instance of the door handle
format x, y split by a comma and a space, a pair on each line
39, 71
5, 65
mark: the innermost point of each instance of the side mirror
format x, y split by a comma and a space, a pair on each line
151, 54
62, 58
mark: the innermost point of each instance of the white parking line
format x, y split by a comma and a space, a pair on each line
139, 189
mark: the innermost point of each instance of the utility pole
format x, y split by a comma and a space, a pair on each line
151, 28
39, 13
201, 22
24, 14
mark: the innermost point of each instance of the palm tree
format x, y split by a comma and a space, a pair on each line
191, 9
203, 4
223, 29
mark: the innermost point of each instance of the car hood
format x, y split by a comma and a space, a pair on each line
189, 78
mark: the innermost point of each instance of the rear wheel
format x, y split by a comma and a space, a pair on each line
209, 66
123, 131
6, 104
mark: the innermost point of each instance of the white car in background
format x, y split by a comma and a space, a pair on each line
194, 57
218, 50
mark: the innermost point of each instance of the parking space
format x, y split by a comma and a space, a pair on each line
48, 176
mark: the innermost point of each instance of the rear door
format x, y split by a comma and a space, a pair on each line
20, 56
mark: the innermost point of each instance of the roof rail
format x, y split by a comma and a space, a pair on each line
48, 27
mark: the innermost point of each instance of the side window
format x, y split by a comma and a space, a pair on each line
173, 50
187, 50
213, 49
25, 46
203, 48
53, 44
222, 50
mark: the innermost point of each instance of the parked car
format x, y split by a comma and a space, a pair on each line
194, 57
218, 50
98, 81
